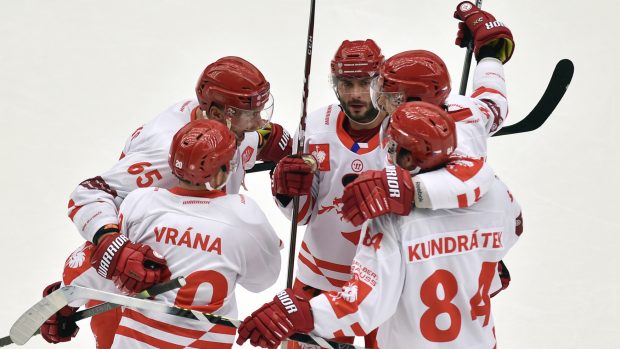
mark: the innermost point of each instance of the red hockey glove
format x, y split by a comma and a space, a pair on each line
59, 327
275, 321
491, 37
132, 266
275, 143
375, 193
293, 175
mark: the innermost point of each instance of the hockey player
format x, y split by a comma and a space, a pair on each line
343, 140
422, 75
213, 239
230, 90
424, 279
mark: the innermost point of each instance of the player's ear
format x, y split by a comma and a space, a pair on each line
216, 113
405, 160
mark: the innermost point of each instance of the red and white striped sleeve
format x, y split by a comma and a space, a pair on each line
370, 297
460, 184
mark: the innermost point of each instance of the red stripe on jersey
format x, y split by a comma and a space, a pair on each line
74, 211
310, 265
162, 326
477, 194
462, 200
340, 268
461, 114
483, 89
202, 344
357, 329
305, 209
316, 270
339, 333
122, 156
144, 338
221, 329
210, 194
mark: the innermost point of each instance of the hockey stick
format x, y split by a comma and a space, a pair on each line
301, 137
558, 84
68, 294
467, 63
560, 79
29, 323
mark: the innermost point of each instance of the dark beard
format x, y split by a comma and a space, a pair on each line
367, 117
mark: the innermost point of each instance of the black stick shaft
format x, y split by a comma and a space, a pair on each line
467, 63
301, 137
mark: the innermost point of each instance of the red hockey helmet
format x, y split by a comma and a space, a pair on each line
238, 87
425, 130
413, 75
356, 59
200, 149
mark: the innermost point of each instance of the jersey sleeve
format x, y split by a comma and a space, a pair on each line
95, 201
306, 202
129, 213
260, 249
489, 86
461, 183
372, 294
467, 177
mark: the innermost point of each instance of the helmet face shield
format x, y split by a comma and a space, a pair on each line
244, 120
385, 101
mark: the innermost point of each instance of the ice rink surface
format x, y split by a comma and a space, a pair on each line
77, 77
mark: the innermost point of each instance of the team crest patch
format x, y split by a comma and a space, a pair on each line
247, 154
321, 154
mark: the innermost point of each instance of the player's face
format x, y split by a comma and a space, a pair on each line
354, 96
249, 120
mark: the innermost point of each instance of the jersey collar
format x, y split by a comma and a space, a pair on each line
211, 194
357, 148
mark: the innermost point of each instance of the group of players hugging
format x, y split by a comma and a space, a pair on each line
406, 222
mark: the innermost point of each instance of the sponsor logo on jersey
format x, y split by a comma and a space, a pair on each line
357, 165
453, 243
321, 154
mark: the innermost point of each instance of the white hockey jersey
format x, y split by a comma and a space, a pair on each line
329, 242
215, 241
144, 163
425, 279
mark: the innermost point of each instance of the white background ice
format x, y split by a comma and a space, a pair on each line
77, 77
